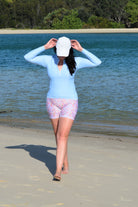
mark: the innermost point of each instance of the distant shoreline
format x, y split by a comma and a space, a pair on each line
41, 31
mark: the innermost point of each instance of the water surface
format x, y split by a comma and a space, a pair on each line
108, 94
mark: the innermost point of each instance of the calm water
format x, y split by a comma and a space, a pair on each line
107, 94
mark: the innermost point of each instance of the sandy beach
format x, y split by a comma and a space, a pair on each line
38, 31
103, 170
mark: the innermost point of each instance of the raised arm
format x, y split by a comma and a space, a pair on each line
34, 57
90, 61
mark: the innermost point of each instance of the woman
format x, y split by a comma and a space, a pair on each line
62, 99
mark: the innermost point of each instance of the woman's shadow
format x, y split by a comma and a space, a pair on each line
40, 153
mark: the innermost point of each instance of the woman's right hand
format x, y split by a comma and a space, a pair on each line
76, 45
51, 43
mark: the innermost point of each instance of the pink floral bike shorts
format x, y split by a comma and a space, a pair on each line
61, 108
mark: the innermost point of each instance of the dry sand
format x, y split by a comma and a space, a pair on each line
103, 170
30, 31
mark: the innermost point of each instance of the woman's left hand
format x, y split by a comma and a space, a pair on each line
76, 45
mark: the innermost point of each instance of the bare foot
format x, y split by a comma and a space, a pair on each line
57, 177
65, 171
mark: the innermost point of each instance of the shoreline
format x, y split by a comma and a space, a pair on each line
44, 31
74, 135
99, 128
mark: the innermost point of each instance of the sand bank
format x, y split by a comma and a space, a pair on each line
37, 31
103, 170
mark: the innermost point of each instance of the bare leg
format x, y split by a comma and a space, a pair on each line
65, 169
55, 123
63, 131
62, 127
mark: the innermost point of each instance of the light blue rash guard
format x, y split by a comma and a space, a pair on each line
61, 82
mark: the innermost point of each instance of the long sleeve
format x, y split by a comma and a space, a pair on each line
90, 61
34, 57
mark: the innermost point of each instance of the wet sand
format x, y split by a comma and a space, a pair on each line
103, 170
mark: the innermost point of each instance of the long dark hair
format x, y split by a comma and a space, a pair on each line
70, 61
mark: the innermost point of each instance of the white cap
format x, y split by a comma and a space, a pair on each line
63, 46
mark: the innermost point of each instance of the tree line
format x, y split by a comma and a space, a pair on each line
68, 14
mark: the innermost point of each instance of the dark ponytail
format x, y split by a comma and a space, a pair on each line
70, 61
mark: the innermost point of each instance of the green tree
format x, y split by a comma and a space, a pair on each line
112, 10
52, 5
26, 13
22, 13
132, 12
83, 14
70, 21
54, 16
68, 13
5, 13
63, 19
74, 4
100, 22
